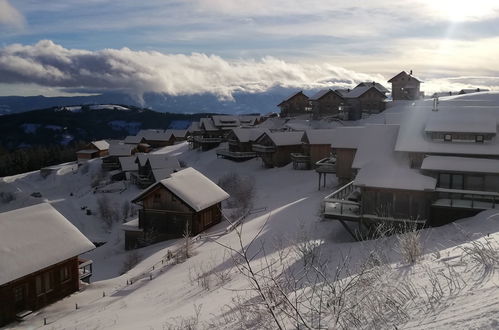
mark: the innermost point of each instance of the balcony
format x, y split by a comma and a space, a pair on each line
201, 139
263, 148
235, 155
342, 204
466, 199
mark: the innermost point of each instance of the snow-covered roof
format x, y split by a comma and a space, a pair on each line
191, 186
162, 173
347, 137
461, 122
133, 139
207, 124
36, 237
377, 143
377, 85
285, 138
156, 135
225, 120
318, 136
412, 138
101, 144
194, 127
460, 164
379, 175
178, 133
158, 161
273, 123
248, 134
359, 91
121, 149
405, 74
128, 164
87, 151
320, 94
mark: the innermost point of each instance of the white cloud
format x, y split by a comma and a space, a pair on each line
138, 72
10, 16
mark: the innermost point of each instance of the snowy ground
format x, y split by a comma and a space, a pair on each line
165, 295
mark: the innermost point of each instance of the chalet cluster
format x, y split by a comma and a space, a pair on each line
347, 104
431, 165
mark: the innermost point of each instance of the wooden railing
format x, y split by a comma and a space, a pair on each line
326, 165
466, 198
338, 205
235, 154
263, 148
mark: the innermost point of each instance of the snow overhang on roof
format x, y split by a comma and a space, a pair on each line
36, 237
460, 164
192, 187
461, 122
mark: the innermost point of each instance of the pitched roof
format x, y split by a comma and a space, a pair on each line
101, 144
319, 136
359, 91
320, 94
133, 139
158, 161
285, 138
403, 73
194, 127
128, 164
121, 149
36, 237
177, 133
207, 124
461, 122
191, 186
347, 137
248, 134
381, 167
377, 85
292, 96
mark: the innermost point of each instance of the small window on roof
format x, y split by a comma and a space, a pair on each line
479, 138
448, 137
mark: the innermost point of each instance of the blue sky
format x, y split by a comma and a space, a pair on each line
223, 46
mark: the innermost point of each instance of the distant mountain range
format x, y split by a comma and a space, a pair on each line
243, 102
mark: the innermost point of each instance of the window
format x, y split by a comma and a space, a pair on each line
444, 180
44, 283
447, 137
48, 281
64, 274
457, 181
39, 287
479, 138
19, 294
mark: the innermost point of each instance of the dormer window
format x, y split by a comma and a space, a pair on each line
479, 139
448, 137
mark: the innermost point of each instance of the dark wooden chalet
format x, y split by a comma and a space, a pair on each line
344, 146
112, 161
187, 199
39, 251
240, 141
296, 104
153, 168
316, 146
326, 103
367, 99
275, 149
157, 138
93, 150
405, 87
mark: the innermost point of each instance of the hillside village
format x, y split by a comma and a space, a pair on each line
223, 224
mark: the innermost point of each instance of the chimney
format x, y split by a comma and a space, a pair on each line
410, 73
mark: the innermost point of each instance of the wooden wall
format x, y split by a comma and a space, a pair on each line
344, 161
28, 298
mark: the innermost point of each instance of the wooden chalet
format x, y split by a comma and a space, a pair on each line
344, 146
94, 149
39, 261
326, 103
365, 99
209, 137
316, 147
187, 199
157, 138
112, 162
240, 141
153, 168
439, 165
275, 149
405, 87
295, 104
178, 134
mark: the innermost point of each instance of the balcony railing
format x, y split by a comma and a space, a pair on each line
469, 199
201, 139
263, 148
235, 154
338, 205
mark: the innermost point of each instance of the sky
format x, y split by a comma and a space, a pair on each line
65, 47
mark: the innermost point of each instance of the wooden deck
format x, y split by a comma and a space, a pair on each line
235, 155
